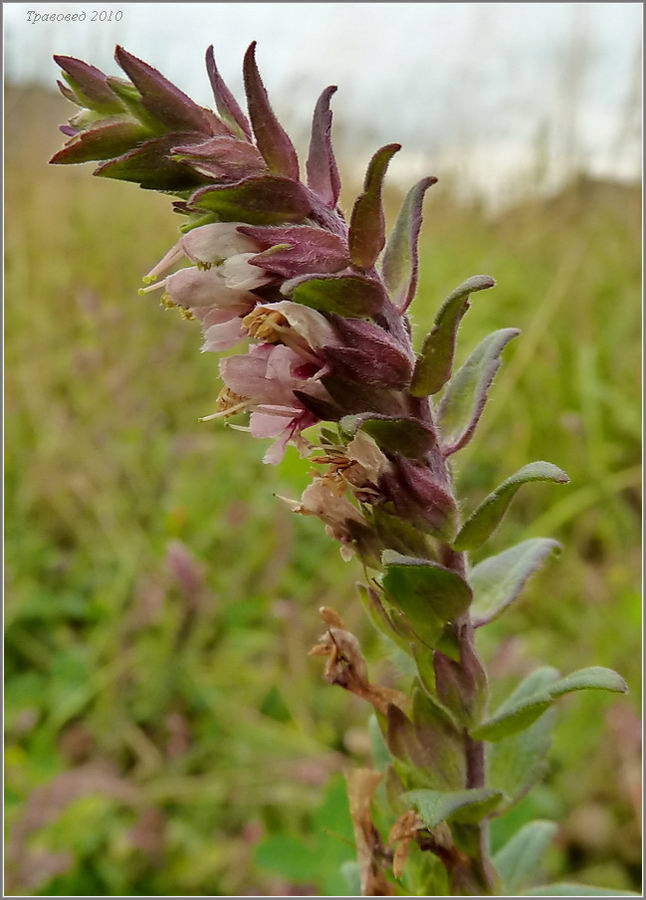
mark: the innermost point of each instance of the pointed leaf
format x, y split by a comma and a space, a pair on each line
346, 295
434, 363
466, 393
150, 165
407, 436
271, 138
89, 85
516, 715
498, 580
466, 807
131, 99
225, 102
223, 157
106, 141
303, 250
260, 200
428, 594
322, 172
520, 859
483, 522
367, 224
164, 100
517, 762
567, 889
400, 261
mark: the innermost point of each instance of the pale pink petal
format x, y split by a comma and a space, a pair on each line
216, 242
238, 274
223, 336
193, 287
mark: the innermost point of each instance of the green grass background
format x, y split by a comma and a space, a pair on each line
166, 732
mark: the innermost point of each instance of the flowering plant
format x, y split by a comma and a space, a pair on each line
319, 305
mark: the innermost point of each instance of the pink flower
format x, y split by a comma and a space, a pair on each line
206, 246
263, 381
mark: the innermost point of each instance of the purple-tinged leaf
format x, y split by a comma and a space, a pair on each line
150, 165
260, 200
355, 364
89, 85
106, 141
67, 92
354, 397
466, 393
346, 295
367, 224
400, 261
273, 141
434, 363
422, 496
322, 171
226, 103
223, 157
437, 733
374, 340
498, 580
407, 436
485, 519
165, 101
303, 250
461, 686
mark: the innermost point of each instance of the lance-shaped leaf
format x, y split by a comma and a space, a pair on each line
223, 157
164, 100
428, 594
466, 393
516, 715
367, 224
106, 141
521, 858
298, 250
434, 363
322, 172
400, 261
273, 141
498, 580
483, 522
131, 99
465, 807
346, 295
225, 102
395, 435
150, 165
369, 353
261, 200
517, 762
421, 495
89, 85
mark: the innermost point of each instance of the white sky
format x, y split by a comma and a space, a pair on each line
485, 88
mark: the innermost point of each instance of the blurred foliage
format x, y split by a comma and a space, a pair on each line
167, 733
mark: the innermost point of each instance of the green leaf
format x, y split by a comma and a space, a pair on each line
466, 393
498, 580
596, 678
466, 807
483, 522
521, 858
346, 295
150, 165
409, 437
515, 715
259, 200
434, 363
568, 889
400, 260
429, 594
516, 762
367, 225
107, 140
